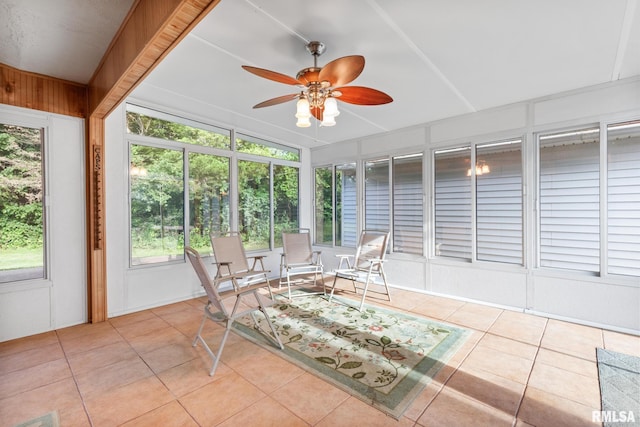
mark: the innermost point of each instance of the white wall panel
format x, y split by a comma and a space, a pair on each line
590, 301
483, 122
36, 306
620, 97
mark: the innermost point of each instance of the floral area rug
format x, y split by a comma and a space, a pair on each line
383, 357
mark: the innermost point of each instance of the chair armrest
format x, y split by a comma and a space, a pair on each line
344, 257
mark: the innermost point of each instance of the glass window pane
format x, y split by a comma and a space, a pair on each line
286, 196
142, 124
407, 204
254, 204
346, 205
376, 195
21, 209
261, 147
570, 200
453, 203
208, 199
499, 202
157, 204
324, 206
623, 198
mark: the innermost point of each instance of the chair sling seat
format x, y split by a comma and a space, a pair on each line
367, 265
299, 263
246, 301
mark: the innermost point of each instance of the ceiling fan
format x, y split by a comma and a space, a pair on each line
320, 87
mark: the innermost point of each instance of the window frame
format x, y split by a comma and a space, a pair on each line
234, 157
43, 126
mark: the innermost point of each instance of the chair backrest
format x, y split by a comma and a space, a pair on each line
229, 248
296, 244
372, 245
205, 278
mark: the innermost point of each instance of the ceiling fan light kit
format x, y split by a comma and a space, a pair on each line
321, 87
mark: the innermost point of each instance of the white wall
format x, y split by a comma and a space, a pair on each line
612, 302
34, 306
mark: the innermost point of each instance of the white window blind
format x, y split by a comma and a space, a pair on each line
453, 203
623, 198
407, 204
499, 202
569, 200
376, 195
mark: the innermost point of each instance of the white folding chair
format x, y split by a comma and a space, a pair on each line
367, 264
299, 263
232, 261
217, 311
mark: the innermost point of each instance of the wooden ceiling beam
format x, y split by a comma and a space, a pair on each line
148, 33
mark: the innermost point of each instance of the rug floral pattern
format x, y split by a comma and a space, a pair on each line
382, 356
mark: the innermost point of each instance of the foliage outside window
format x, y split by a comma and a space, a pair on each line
408, 204
569, 199
323, 195
22, 242
498, 175
453, 203
252, 145
285, 198
623, 198
141, 124
157, 204
208, 199
254, 204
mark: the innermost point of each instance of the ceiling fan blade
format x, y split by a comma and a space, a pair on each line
361, 95
271, 75
317, 113
276, 101
343, 70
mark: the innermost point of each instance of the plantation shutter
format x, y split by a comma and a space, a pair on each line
407, 204
499, 202
453, 203
376, 193
623, 199
569, 200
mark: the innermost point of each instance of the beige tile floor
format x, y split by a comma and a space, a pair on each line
141, 370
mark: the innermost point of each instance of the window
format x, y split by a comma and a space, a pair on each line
157, 204
623, 198
453, 203
141, 122
22, 218
336, 203
254, 216
186, 156
285, 198
376, 195
408, 204
569, 200
208, 199
252, 145
498, 175
346, 205
323, 195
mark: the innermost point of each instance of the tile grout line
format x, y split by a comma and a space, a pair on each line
526, 386
75, 381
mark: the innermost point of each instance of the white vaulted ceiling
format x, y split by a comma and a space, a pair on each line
437, 59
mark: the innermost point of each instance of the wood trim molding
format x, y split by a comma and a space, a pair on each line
149, 32
37, 92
